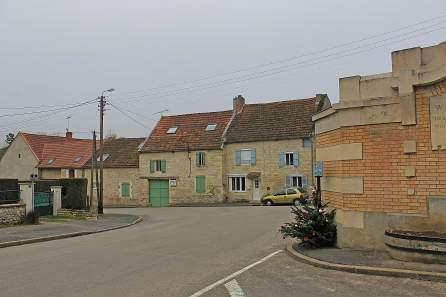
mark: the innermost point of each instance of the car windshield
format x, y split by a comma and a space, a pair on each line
279, 193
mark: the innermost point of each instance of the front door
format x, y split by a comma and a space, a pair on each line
159, 193
256, 189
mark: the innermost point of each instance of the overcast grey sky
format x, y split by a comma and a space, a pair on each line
156, 54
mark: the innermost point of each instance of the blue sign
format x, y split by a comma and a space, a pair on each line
318, 169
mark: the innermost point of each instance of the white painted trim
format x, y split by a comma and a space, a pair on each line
234, 289
233, 275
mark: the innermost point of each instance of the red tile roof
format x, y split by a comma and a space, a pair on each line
191, 132
279, 120
63, 151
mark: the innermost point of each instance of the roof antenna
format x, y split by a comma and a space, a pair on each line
161, 112
68, 123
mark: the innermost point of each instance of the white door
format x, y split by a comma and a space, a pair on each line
256, 189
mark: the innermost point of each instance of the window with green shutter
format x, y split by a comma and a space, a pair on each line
200, 159
125, 190
200, 184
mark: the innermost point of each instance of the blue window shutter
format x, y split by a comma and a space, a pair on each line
288, 181
197, 159
238, 157
253, 157
281, 159
296, 159
304, 182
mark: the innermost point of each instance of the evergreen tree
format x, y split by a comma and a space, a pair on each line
314, 225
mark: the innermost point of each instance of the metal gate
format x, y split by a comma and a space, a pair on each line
43, 203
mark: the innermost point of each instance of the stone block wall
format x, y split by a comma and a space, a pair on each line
12, 214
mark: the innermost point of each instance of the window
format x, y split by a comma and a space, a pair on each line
237, 184
296, 181
200, 184
289, 159
307, 142
20, 156
157, 166
125, 190
279, 193
104, 157
291, 192
200, 159
50, 161
172, 130
211, 127
71, 173
77, 159
245, 157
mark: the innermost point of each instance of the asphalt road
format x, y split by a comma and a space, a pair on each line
179, 251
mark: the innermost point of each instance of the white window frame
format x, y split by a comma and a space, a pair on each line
289, 158
201, 158
297, 176
172, 130
245, 162
158, 166
211, 127
231, 178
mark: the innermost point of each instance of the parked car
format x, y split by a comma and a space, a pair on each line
296, 196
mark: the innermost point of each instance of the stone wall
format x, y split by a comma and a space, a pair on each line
181, 166
12, 214
272, 176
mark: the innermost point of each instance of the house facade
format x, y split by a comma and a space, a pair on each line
230, 156
383, 149
121, 173
48, 157
181, 161
268, 147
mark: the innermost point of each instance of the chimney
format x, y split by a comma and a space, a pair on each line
69, 135
238, 103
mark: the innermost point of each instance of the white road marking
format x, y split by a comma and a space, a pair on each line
234, 289
224, 280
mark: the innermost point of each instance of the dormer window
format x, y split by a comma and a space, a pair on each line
104, 157
50, 161
211, 127
77, 159
172, 130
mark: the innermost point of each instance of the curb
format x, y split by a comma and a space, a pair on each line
66, 235
380, 271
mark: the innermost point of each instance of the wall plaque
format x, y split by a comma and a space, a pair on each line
438, 122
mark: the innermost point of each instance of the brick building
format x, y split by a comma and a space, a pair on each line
383, 147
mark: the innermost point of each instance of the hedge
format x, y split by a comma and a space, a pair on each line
9, 191
74, 191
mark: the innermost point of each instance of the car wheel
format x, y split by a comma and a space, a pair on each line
268, 203
296, 202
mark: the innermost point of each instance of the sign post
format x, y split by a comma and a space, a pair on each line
318, 173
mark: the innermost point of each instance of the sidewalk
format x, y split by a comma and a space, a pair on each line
58, 229
366, 262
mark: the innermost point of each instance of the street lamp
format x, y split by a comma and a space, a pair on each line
101, 152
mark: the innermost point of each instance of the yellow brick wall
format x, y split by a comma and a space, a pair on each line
182, 166
382, 167
267, 155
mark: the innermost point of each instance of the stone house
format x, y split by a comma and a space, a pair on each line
268, 146
383, 148
182, 159
50, 157
236, 155
121, 172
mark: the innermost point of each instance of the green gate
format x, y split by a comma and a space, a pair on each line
159, 193
43, 203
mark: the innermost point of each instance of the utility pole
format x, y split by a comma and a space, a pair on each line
102, 103
92, 169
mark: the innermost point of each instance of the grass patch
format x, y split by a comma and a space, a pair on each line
62, 219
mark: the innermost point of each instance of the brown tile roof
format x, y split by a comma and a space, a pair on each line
123, 153
190, 134
64, 152
280, 120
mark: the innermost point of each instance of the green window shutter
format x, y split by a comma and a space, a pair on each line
200, 184
197, 159
253, 157
238, 157
296, 159
163, 166
125, 190
152, 166
203, 159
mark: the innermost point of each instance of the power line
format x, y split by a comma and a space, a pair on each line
305, 63
128, 116
295, 57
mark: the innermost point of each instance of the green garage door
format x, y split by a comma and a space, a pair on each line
159, 193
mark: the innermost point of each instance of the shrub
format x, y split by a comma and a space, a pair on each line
32, 217
74, 193
313, 225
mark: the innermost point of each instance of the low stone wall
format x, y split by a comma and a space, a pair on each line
76, 213
12, 214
